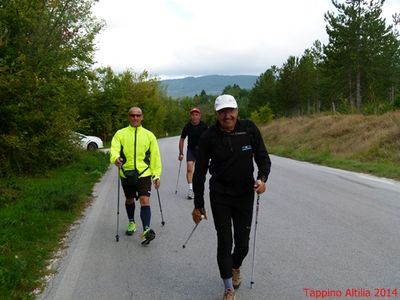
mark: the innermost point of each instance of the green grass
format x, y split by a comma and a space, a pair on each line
35, 213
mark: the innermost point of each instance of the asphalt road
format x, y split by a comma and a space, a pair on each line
320, 230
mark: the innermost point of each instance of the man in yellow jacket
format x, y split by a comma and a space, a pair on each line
134, 150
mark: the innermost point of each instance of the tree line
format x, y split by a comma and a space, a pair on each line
48, 87
358, 70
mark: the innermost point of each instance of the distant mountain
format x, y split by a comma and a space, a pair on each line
211, 84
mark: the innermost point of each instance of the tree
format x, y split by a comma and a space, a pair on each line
309, 78
360, 51
175, 118
264, 91
46, 48
112, 95
288, 88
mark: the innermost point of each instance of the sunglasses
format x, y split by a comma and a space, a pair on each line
135, 115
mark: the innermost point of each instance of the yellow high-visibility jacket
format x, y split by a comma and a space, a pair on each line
124, 143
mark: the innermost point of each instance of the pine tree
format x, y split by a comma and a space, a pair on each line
264, 91
361, 52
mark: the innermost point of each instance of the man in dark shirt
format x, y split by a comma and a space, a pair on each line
227, 150
193, 130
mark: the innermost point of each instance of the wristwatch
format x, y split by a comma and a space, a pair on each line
262, 178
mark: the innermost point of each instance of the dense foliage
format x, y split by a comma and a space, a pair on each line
106, 106
46, 48
362, 56
48, 88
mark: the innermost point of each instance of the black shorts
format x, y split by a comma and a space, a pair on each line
191, 154
143, 188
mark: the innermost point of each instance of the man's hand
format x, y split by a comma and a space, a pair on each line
180, 156
198, 215
118, 162
156, 183
260, 186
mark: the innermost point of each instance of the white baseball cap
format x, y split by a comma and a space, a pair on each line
225, 101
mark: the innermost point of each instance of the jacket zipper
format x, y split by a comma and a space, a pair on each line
134, 150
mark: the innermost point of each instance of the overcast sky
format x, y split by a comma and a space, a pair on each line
177, 38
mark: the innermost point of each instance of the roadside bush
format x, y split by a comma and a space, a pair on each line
263, 116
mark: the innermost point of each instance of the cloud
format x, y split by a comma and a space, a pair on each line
172, 38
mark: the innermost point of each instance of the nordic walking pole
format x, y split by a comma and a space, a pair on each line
190, 235
177, 180
254, 242
118, 182
159, 202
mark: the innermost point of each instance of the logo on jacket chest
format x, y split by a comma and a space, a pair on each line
246, 148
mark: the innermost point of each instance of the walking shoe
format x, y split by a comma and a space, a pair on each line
236, 280
147, 236
131, 228
190, 195
229, 294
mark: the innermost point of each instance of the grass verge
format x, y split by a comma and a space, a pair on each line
380, 169
35, 213
367, 144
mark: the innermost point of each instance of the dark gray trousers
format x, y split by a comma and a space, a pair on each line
228, 211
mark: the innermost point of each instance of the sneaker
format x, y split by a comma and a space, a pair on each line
236, 280
131, 228
147, 236
190, 195
229, 294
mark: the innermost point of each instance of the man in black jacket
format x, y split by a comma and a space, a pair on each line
227, 150
193, 130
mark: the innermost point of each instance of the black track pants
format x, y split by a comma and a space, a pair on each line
227, 211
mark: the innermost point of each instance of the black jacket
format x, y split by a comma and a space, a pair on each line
193, 132
229, 158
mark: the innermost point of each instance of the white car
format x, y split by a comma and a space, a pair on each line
89, 142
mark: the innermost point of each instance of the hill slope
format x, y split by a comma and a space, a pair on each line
369, 144
211, 84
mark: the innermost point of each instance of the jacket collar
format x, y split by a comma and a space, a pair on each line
219, 130
133, 128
